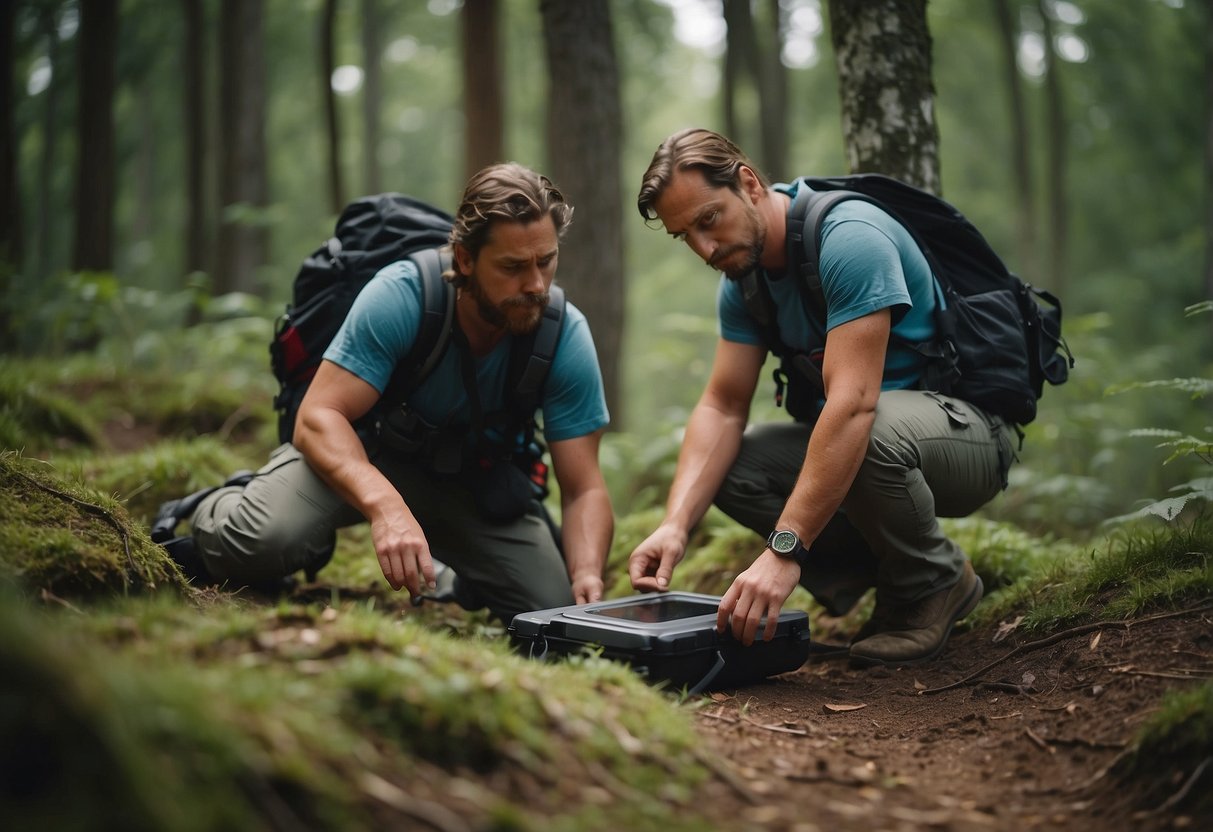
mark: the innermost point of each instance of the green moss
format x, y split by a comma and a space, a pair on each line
59, 536
1172, 743
224, 717
1144, 568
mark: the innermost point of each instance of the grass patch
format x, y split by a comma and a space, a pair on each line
34, 416
1140, 568
239, 717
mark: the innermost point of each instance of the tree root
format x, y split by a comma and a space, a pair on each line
1123, 624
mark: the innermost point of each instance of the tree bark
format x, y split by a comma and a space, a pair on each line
747, 58
883, 52
243, 241
736, 50
1055, 120
44, 245
10, 203
482, 87
585, 129
372, 95
774, 92
94, 239
328, 63
1021, 163
1209, 150
194, 105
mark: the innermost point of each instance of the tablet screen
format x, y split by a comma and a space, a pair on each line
658, 609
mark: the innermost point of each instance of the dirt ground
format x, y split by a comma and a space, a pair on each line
1026, 743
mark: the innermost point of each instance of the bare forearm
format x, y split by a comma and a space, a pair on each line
836, 450
711, 444
334, 451
589, 526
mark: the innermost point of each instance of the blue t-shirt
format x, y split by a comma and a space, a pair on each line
868, 262
383, 324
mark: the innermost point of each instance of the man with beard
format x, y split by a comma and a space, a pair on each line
848, 498
504, 245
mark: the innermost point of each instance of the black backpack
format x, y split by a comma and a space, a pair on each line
371, 233
996, 343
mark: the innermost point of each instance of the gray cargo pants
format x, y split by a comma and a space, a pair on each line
286, 518
928, 456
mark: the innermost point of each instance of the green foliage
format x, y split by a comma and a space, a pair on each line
1182, 447
34, 417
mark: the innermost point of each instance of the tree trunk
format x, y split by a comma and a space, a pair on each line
243, 241
328, 63
585, 129
1021, 165
1209, 150
194, 105
883, 52
774, 92
44, 245
10, 203
94, 243
1055, 120
482, 89
745, 57
372, 96
736, 16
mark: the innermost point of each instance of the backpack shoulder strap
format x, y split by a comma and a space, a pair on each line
434, 333
761, 306
533, 356
805, 217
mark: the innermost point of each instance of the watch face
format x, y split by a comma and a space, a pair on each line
784, 542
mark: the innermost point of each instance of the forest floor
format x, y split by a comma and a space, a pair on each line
1007, 730
1018, 734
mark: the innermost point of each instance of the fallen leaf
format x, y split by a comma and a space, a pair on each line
1005, 628
1095, 640
1028, 678
919, 685
721, 697
837, 709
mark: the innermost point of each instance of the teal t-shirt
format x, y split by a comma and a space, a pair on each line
868, 262
383, 324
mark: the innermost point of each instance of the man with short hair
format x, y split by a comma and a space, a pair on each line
505, 245
849, 497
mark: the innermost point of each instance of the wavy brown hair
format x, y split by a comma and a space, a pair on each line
694, 148
506, 192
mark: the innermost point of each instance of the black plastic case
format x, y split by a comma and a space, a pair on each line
669, 637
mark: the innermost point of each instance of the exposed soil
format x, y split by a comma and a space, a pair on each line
1029, 743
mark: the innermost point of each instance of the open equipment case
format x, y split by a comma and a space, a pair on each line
668, 637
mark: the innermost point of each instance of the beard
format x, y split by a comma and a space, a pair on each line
519, 315
750, 249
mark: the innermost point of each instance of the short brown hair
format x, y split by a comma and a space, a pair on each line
506, 192
717, 158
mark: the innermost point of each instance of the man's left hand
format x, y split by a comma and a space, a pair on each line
756, 593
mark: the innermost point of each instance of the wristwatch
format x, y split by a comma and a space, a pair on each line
786, 543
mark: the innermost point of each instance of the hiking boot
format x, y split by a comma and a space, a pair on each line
183, 552
915, 632
444, 591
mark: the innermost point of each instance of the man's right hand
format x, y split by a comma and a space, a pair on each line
652, 563
404, 555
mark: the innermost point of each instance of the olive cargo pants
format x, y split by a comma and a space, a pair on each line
286, 518
928, 456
